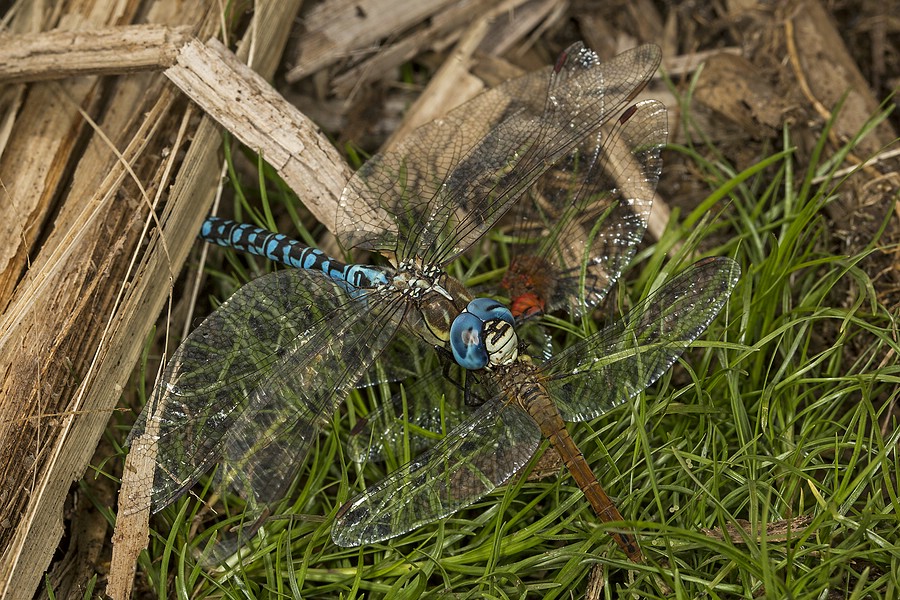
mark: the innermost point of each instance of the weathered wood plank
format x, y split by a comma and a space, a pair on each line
229, 92
68, 53
337, 29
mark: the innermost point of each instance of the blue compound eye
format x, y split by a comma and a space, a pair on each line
467, 341
488, 309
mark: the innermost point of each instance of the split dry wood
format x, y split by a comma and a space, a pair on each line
337, 29
439, 32
247, 106
65, 347
77, 316
68, 53
132, 527
828, 77
827, 74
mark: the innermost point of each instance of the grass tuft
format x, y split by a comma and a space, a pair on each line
763, 464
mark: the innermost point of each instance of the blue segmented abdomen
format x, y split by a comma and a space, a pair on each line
282, 249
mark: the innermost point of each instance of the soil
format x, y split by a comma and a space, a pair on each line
770, 67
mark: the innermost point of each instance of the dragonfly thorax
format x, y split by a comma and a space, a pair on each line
416, 281
438, 297
483, 335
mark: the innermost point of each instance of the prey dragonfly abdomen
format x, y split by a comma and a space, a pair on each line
522, 380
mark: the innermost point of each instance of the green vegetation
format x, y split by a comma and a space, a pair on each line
763, 464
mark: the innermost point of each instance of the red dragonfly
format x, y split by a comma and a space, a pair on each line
579, 230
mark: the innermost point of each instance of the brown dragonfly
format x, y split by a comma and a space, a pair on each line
534, 400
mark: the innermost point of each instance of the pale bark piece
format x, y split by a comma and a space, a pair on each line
337, 29
831, 73
132, 532
66, 53
248, 107
733, 87
436, 34
527, 19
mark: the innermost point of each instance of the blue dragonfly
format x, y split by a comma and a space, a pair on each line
248, 389
574, 236
571, 241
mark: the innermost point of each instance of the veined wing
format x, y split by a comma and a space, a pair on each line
427, 408
260, 474
586, 215
421, 411
435, 401
472, 460
267, 443
281, 352
604, 370
449, 182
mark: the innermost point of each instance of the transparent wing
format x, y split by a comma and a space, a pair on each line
260, 476
276, 356
449, 182
476, 457
433, 401
418, 416
604, 370
587, 215
405, 358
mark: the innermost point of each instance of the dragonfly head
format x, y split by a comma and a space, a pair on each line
483, 336
531, 281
